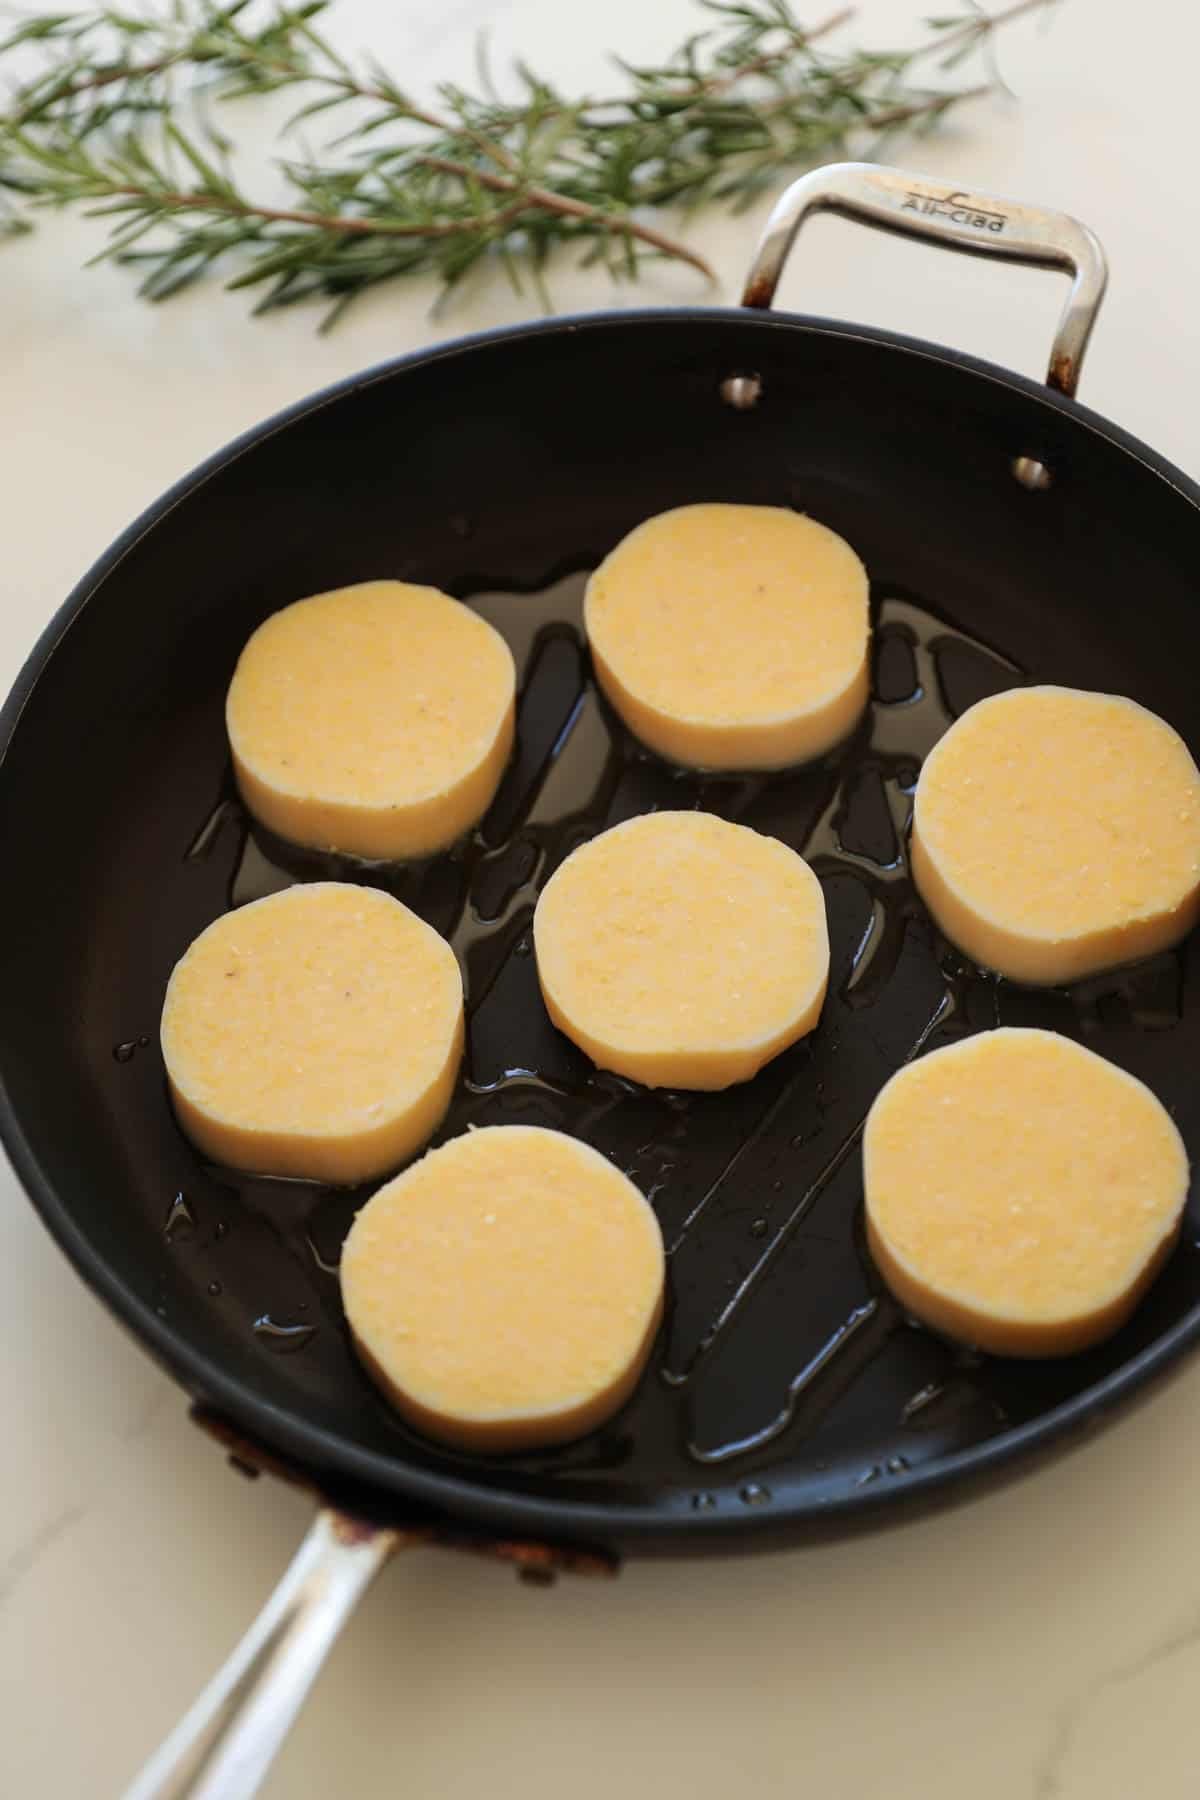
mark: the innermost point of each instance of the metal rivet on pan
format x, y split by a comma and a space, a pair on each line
1032, 474
741, 391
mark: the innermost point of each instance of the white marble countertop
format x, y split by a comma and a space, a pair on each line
1040, 1644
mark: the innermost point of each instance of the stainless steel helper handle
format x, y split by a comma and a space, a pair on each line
223, 1746
922, 206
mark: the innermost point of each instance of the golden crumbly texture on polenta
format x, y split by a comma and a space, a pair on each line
732, 636
1057, 832
1021, 1192
375, 719
682, 950
505, 1291
315, 1033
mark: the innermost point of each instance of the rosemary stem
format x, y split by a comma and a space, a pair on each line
567, 208
231, 206
980, 27
463, 180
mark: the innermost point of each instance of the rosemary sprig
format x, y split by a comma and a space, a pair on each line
117, 116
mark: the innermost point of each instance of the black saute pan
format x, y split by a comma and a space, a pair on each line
1009, 533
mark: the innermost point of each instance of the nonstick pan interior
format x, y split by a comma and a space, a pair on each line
787, 1390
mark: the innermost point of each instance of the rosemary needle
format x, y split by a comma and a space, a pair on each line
107, 121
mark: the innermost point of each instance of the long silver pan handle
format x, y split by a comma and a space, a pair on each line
921, 206
222, 1748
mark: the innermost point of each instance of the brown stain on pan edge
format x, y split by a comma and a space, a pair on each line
538, 1563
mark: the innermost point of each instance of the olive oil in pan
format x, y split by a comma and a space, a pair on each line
757, 1188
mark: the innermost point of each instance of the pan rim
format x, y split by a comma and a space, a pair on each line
460, 1496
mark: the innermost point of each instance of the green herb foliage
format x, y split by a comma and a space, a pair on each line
118, 116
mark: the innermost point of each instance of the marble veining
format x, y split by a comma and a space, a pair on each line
1037, 1645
